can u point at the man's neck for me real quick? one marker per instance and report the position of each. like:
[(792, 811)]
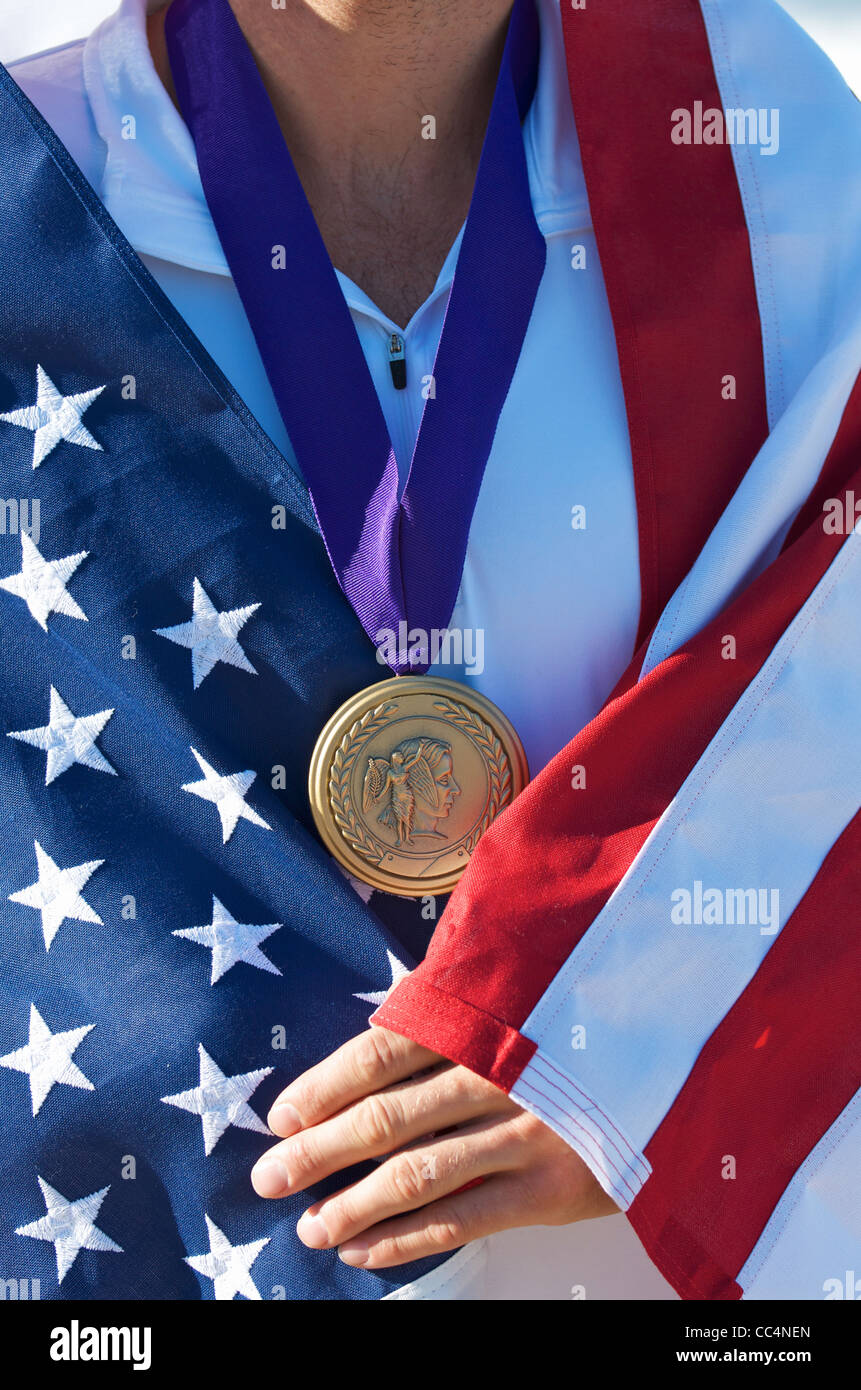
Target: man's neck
[(384, 107)]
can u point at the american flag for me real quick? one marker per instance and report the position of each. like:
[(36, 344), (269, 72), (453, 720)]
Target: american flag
[(655, 949), (175, 944)]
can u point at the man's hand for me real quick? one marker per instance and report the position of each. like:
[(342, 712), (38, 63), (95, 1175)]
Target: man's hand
[(459, 1159)]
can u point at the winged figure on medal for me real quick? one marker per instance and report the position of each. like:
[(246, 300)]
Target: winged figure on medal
[(415, 786)]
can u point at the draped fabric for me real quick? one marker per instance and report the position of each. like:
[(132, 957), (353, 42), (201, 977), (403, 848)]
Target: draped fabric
[(175, 944), (654, 949)]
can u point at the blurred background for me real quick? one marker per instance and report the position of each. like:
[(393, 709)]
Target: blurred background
[(26, 26)]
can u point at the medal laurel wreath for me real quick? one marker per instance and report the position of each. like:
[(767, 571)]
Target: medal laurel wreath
[(495, 757), (340, 773), (359, 735)]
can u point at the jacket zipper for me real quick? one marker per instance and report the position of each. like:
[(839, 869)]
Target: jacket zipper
[(397, 361)]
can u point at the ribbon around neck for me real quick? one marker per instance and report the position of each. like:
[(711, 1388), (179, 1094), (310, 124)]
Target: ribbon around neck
[(398, 557)]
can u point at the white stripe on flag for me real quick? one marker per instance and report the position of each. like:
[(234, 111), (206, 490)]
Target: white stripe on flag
[(462, 1278), (811, 1247), (637, 998), (797, 310)]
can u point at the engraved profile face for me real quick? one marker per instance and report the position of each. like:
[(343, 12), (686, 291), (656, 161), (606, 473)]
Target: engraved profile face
[(447, 789), (414, 788)]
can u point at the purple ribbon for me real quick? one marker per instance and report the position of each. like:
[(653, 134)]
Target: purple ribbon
[(398, 559)]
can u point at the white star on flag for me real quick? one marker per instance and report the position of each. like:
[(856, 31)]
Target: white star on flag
[(211, 635), (398, 969), (231, 941), (42, 583), (47, 1059), (56, 894), (228, 1266), (67, 739), (221, 1100), (54, 417), (69, 1226), (227, 794)]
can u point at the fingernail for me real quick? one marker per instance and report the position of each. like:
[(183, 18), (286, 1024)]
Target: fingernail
[(270, 1178), (311, 1230), (283, 1119), (354, 1252)]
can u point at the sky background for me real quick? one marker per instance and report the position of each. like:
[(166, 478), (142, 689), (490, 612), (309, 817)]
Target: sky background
[(26, 26)]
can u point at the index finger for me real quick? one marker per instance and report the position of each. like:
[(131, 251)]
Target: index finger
[(365, 1064)]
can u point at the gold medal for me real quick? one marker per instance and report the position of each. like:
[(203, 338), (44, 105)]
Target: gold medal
[(407, 776)]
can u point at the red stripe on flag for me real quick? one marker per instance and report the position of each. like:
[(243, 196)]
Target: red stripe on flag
[(430, 1017), (675, 252), (545, 869), (772, 1078)]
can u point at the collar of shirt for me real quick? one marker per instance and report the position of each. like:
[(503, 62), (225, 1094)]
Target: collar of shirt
[(151, 186)]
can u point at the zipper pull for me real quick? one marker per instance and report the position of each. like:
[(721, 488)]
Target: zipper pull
[(397, 362)]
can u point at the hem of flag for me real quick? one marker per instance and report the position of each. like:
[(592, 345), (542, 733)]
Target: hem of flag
[(457, 1030), (557, 1098)]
